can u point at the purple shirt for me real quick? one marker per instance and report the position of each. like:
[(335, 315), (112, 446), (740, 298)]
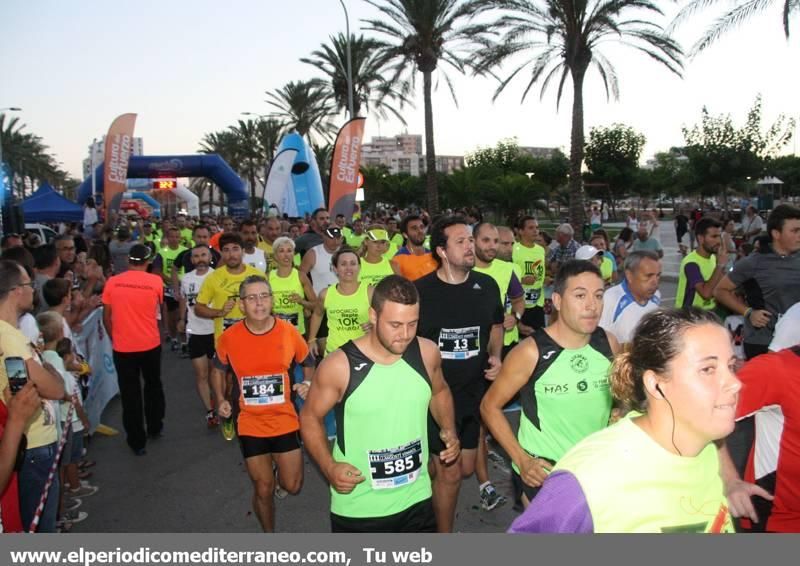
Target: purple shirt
[(559, 507)]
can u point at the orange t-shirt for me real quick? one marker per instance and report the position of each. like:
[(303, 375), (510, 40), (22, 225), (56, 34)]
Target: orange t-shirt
[(414, 266), (260, 363), (135, 299), (213, 241)]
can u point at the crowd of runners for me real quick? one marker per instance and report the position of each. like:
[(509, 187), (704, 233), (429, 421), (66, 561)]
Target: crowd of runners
[(391, 348)]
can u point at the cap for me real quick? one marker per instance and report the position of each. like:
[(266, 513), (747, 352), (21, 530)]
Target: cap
[(587, 252), (139, 253), (333, 232), (378, 234)]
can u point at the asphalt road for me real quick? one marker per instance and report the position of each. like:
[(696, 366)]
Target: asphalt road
[(193, 480)]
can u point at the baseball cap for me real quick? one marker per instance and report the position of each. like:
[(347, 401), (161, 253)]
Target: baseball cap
[(378, 234), (586, 252), (333, 232), (139, 253)]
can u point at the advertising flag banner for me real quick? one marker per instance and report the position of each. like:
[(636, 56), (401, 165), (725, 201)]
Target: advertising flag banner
[(103, 384), (344, 168), (119, 147)]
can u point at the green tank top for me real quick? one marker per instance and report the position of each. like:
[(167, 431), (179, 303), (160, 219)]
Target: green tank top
[(567, 397), (168, 257), (501, 272), (282, 306), (531, 261), (373, 273), (382, 429), (633, 485), (346, 314), (607, 269), (707, 267)]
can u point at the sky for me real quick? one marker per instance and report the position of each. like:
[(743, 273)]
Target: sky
[(192, 67)]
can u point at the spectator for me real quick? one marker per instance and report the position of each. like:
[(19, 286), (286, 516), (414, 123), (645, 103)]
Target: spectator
[(645, 242)]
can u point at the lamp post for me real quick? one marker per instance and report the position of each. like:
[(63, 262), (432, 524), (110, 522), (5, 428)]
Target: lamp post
[(349, 62)]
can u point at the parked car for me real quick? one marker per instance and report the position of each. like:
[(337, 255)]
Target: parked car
[(45, 233)]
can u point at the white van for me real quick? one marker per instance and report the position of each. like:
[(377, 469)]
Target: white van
[(45, 233)]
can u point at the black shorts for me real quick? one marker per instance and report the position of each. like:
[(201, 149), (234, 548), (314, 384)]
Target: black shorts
[(323, 326), (418, 518), (257, 445), (201, 345), (521, 487), (172, 303), (533, 317), (468, 429)]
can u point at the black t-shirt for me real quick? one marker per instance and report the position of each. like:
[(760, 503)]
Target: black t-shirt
[(459, 318)]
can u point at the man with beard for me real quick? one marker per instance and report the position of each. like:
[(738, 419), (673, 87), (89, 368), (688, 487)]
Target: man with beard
[(378, 474), (200, 331), (529, 257), (269, 230), (461, 312), (320, 220), (413, 260), (703, 269), (219, 294), (561, 375), (252, 255)]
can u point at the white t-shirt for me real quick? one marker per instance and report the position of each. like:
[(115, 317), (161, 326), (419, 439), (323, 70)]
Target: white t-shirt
[(70, 388), (27, 325), (190, 287), (256, 259), (621, 312), (787, 330)]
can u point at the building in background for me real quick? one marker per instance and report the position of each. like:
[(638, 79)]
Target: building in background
[(404, 154), (538, 152), (98, 149)]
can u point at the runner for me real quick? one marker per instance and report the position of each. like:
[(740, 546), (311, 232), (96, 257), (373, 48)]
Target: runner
[(657, 470), (346, 305), (530, 258), (218, 297), (512, 298), (561, 374), (293, 296), (703, 269), (374, 265), (269, 230), (461, 313), (378, 474), (163, 265), (199, 330), (263, 413), (413, 260), (317, 264), (253, 255)]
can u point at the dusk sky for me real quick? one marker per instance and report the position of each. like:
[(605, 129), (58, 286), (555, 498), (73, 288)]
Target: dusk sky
[(188, 68)]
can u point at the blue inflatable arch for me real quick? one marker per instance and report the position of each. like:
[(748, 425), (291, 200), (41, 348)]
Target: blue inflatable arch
[(152, 166)]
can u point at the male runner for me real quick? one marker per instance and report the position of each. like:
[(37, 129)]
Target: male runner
[(269, 230), (253, 255), (530, 257), (461, 313), (263, 412), (561, 374), (219, 294), (378, 474), (703, 269), (199, 330), (164, 265), (413, 260)]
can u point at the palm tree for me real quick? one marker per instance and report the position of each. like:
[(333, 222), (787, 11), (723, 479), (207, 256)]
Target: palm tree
[(248, 140), (371, 90), (742, 11), (421, 34), (562, 39), (27, 162), (305, 107)]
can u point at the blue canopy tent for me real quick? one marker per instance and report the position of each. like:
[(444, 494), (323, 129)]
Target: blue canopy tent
[(46, 205)]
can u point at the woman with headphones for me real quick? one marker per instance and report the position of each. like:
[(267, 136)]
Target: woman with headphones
[(657, 469)]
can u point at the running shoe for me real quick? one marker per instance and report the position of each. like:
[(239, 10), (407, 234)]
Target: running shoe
[(212, 420), (490, 498), (85, 490), (74, 517), (174, 346), (72, 504), (228, 430)]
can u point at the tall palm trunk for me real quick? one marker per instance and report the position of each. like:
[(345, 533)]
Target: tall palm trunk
[(432, 189), (577, 212)]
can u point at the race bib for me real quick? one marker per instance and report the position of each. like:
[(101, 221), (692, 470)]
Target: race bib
[(395, 467), (263, 389), (460, 343), (292, 318), (532, 297)]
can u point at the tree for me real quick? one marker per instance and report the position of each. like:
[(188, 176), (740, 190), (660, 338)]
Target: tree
[(722, 156), (501, 157), (26, 161), (421, 35), (304, 106), (371, 90), (787, 169), (740, 13), (562, 38), (612, 156)]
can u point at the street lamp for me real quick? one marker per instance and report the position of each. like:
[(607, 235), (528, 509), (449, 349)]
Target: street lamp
[(349, 63)]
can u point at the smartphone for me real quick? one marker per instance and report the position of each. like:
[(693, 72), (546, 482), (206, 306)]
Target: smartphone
[(17, 373)]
